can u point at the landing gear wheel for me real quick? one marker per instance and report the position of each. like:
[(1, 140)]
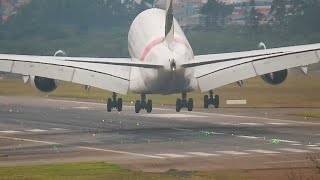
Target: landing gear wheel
[(178, 105), (211, 100), (109, 105), (137, 107), (217, 101), (120, 104), (190, 104), (149, 106), (206, 102)]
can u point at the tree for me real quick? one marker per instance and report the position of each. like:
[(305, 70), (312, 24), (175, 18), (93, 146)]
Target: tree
[(216, 12), (253, 17), (279, 12)]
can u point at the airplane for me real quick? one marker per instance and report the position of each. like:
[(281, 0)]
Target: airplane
[(162, 62)]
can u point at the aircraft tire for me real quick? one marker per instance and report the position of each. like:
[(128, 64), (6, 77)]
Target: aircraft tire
[(119, 104), (190, 104), (109, 105), (216, 101), (137, 106), (178, 105), (205, 102), (149, 106)]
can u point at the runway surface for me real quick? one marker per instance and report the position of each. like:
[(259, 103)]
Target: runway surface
[(43, 131)]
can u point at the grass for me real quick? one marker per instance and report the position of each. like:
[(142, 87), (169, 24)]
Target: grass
[(105, 171), (308, 114), (297, 91)]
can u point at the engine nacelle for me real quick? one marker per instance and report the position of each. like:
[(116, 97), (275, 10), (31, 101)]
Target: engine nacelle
[(275, 78), (45, 85)]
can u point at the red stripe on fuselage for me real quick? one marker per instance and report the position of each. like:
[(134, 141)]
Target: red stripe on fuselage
[(159, 41), (151, 46)]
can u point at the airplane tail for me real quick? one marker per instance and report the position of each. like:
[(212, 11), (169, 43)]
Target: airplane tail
[(169, 34)]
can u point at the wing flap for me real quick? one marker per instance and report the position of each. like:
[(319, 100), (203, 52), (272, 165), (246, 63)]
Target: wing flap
[(6, 65), (43, 70), (102, 81), (281, 62), (224, 77)]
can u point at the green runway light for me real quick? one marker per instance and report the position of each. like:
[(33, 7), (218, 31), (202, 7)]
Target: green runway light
[(55, 148), (275, 141)]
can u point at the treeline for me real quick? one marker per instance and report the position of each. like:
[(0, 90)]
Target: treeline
[(56, 18), (285, 15)]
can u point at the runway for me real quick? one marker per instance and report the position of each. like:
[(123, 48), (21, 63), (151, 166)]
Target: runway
[(36, 130)]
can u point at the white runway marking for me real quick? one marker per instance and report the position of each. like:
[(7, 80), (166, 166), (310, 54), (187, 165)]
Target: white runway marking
[(263, 151), (202, 154), (59, 129), (250, 137), (172, 116), (294, 150), (81, 108), (29, 140), (296, 144), (170, 155), (180, 129), (279, 124), (312, 145), (288, 141), (252, 124), (10, 132), (233, 152), (83, 147), (120, 152), (315, 148), (36, 130)]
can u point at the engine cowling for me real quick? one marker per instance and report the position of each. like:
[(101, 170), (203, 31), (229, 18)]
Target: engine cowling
[(275, 78), (45, 85)]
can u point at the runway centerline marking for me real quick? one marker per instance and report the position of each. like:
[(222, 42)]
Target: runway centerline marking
[(263, 151), (233, 152), (10, 132), (59, 129), (36, 130), (84, 147), (250, 137), (312, 145), (296, 144), (171, 155), (202, 154), (294, 150), (251, 124)]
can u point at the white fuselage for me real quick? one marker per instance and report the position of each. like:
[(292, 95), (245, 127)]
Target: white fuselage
[(147, 43)]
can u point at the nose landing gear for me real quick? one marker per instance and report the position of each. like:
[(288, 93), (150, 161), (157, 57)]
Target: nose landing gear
[(114, 103), (143, 104), (184, 103), (215, 101)]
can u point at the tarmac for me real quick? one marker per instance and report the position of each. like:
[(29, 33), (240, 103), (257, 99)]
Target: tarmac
[(36, 131)]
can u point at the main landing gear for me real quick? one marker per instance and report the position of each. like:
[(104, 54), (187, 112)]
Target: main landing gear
[(215, 101), (143, 104), (184, 103), (114, 103)]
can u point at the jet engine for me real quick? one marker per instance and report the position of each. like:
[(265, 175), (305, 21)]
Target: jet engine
[(275, 78), (45, 85)]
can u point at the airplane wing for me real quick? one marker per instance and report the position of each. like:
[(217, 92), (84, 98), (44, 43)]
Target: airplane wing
[(216, 70), (111, 74)]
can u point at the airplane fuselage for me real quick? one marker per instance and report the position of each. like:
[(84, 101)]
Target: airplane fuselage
[(146, 42)]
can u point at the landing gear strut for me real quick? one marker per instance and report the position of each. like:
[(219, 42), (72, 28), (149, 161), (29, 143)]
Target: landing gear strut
[(215, 101), (143, 104), (114, 103), (184, 103)]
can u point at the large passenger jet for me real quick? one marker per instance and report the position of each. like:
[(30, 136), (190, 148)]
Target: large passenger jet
[(162, 62)]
